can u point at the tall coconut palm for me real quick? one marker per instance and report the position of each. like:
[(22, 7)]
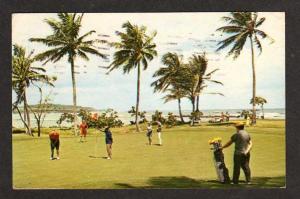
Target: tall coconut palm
[(135, 49), (242, 26), (66, 41), (23, 75), (259, 101)]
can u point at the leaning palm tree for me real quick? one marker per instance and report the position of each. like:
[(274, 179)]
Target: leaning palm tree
[(23, 75), (259, 101), (176, 93), (199, 77), (65, 41), (167, 75), (242, 26), (170, 79), (135, 49)]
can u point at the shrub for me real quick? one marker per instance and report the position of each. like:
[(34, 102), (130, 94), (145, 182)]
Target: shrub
[(109, 117), (141, 115), (171, 120), (157, 116)]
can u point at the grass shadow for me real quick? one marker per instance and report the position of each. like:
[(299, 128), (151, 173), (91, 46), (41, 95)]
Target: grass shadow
[(92, 156), (186, 182)]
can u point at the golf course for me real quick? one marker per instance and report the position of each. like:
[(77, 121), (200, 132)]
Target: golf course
[(183, 161)]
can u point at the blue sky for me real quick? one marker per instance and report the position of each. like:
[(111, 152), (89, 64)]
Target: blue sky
[(191, 32)]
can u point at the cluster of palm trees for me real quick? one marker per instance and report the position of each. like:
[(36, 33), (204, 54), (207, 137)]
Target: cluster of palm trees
[(135, 50), (183, 80)]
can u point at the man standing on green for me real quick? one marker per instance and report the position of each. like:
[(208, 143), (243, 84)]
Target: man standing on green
[(243, 145)]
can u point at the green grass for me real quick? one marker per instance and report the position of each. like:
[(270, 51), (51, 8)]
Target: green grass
[(184, 160)]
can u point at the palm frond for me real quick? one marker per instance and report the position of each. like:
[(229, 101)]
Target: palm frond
[(258, 44), (226, 42), (260, 21), (91, 51)]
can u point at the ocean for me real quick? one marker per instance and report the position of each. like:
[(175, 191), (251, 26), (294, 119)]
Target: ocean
[(51, 118)]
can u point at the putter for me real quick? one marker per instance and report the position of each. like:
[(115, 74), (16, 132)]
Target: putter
[(96, 144)]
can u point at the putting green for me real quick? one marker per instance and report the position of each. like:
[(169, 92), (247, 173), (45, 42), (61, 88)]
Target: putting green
[(184, 160)]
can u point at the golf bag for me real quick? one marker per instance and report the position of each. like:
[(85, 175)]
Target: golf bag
[(218, 156)]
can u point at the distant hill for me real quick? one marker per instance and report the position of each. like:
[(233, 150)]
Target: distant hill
[(60, 108)]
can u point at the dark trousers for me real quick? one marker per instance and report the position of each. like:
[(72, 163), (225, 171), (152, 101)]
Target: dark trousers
[(241, 161), (54, 144)]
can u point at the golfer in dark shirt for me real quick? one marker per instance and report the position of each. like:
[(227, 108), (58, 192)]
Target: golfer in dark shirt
[(243, 145), (108, 141)]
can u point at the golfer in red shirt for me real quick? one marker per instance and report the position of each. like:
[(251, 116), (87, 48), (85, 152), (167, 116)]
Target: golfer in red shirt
[(83, 130), (54, 143)]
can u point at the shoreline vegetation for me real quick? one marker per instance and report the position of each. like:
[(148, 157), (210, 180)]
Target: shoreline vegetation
[(57, 108)]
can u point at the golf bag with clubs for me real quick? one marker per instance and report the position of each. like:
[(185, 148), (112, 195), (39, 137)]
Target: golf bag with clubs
[(218, 157)]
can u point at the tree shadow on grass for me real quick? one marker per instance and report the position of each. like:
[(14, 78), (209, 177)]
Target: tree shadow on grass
[(186, 182)]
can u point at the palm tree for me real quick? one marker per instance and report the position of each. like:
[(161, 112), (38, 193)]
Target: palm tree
[(176, 93), (65, 41), (259, 101), (242, 26), (23, 75), (167, 75), (199, 77), (170, 79), (135, 49)]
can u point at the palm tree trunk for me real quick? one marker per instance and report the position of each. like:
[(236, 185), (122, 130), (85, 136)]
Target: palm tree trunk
[(263, 112), (193, 103), (74, 96), (253, 122), (39, 127), (137, 99), (27, 113), (24, 112), (197, 103), (179, 108)]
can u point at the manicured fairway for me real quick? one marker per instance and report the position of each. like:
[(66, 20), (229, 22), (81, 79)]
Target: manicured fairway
[(184, 160)]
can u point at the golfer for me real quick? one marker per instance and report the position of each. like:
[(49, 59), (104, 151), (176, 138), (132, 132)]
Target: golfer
[(83, 130), (108, 141), (54, 143), (149, 133), (243, 145), (159, 129)]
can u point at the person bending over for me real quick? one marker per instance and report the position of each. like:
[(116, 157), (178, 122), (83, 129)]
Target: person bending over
[(54, 144)]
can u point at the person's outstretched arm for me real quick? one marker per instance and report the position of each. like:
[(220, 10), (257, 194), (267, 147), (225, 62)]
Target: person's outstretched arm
[(227, 144)]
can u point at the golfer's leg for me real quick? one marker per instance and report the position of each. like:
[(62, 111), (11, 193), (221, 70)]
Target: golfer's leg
[(52, 149), (159, 138), (246, 168), (108, 150), (236, 168), (57, 149)]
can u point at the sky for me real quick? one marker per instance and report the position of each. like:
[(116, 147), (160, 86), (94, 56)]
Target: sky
[(188, 33)]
